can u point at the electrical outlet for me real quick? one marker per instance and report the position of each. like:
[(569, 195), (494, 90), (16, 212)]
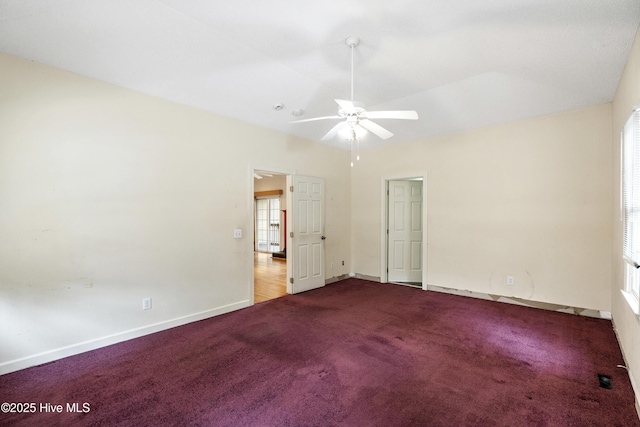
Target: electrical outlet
[(331, 265), (342, 262), (510, 280), (146, 303)]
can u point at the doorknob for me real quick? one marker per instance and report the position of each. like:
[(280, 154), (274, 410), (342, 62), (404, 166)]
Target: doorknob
[(323, 238)]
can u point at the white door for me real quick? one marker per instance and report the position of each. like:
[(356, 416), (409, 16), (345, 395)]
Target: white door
[(307, 234), (405, 231)]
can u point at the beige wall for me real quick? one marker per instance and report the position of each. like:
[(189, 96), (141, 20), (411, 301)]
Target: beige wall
[(626, 322), (530, 199), (109, 196)]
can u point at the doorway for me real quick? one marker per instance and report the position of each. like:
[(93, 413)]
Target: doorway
[(302, 214), (269, 234), (404, 253)]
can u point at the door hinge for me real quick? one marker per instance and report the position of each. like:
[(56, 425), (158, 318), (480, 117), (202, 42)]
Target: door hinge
[(291, 280), (291, 189), (291, 234)]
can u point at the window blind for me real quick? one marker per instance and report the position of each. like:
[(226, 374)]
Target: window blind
[(631, 189)]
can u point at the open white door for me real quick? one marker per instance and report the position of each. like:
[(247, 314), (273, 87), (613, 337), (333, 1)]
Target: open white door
[(307, 234), (405, 231)]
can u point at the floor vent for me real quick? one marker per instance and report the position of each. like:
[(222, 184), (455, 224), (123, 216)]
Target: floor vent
[(605, 381)]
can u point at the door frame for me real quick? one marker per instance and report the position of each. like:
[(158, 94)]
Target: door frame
[(384, 215), (265, 168)]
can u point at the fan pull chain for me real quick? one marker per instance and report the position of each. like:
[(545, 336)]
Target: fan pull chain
[(357, 151), (352, 153)]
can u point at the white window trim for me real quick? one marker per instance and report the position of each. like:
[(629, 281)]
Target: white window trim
[(629, 193), (632, 301)]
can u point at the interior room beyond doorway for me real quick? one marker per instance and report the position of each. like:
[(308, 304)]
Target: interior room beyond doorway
[(270, 261), (269, 277)]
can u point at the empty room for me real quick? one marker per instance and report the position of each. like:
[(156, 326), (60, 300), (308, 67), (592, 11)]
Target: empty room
[(455, 225)]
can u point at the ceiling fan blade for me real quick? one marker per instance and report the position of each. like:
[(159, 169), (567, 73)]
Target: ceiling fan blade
[(316, 118), (334, 130), (375, 128), (346, 106), (407, 115)]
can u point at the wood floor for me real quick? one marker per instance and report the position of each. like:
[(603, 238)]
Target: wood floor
[(270, 277)]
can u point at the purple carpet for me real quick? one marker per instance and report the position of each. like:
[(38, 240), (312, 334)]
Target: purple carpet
[(354, 353)]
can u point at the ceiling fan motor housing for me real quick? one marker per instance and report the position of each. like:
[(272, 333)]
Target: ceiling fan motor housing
[(352, 41)]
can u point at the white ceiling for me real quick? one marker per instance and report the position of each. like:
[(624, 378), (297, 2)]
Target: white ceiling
[(461, 64)]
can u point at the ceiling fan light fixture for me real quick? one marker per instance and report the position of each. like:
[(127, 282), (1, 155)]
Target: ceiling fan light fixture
[(352, 132), (347, 133)]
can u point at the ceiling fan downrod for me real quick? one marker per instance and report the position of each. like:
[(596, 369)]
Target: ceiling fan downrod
[(352, 42)]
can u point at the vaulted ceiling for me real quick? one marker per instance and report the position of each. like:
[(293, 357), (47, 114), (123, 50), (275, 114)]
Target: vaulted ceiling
[(461, 64)]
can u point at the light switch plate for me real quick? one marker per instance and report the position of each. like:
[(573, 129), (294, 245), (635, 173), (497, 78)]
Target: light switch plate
[(237, 233)]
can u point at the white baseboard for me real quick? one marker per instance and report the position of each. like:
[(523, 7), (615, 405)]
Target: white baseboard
[(365, 277), (634, 386), (600, 314), (335, 279), (636, 391), (81, 347), (509, 300)]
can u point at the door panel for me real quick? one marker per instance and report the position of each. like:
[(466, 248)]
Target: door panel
[(303, 255), (405, 231), (308, 229)]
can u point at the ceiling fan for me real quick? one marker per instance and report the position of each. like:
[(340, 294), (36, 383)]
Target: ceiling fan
[(357, 123)]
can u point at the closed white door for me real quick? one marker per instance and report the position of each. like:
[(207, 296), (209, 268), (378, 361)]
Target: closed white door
[(404, 261), (307, 234)]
